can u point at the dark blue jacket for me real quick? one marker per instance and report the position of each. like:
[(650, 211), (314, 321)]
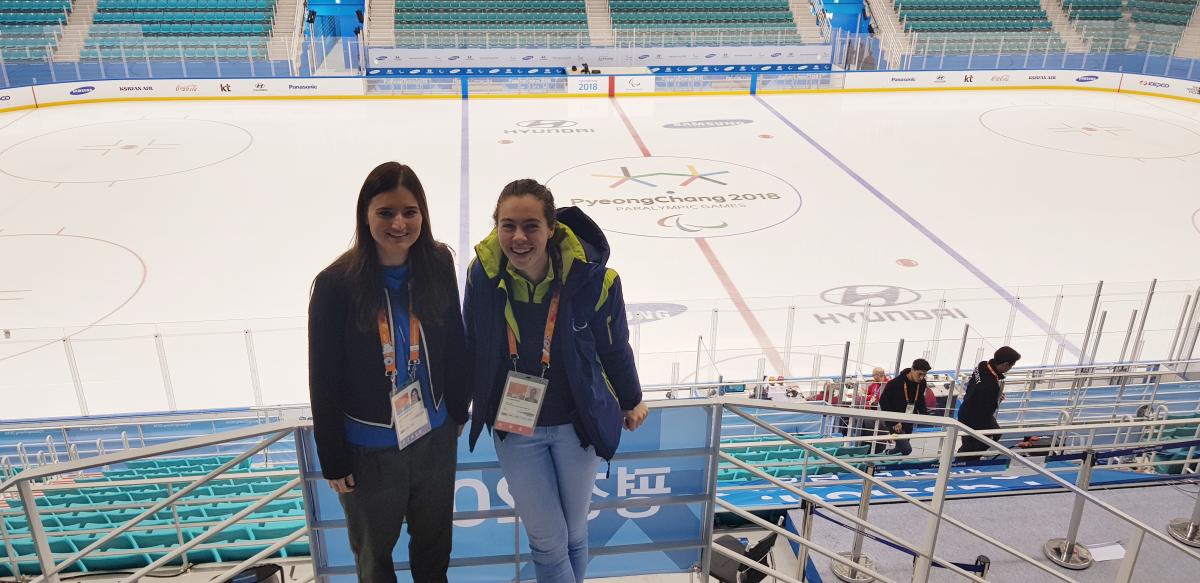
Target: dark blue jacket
[(598, 362)]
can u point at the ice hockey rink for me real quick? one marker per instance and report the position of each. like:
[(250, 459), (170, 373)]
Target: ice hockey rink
[(174, 244)]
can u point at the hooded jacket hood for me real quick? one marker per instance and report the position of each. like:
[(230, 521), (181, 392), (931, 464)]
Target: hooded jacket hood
[(581, 244)]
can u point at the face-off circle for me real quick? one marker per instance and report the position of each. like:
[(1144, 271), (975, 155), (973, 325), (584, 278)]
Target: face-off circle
[(124, 150), (66, 282), (1092, 131), (676, 197)]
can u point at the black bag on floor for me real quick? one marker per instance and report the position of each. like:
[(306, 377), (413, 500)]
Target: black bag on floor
[(260, 574)]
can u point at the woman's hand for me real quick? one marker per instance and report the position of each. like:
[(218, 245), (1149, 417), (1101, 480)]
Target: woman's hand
[(342, 485), (636, 416)]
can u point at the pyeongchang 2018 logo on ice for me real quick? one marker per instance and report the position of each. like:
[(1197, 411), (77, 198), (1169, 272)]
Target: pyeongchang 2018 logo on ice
[(674, 197)]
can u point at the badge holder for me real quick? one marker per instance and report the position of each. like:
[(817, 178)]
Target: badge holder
[(409, 415), (521, 403), (521, 399), (410, 418)]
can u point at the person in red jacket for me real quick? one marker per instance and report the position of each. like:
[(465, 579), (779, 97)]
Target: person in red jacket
[(878, 380)]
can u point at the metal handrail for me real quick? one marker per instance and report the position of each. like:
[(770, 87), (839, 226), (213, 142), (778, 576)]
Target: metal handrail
[(150, 451), (50, 571), (959, 427)]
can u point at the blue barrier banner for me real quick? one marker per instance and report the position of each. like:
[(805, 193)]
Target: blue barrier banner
[(1127, 451), (691, 69), (959, 486), (469, 71), (648, 511)]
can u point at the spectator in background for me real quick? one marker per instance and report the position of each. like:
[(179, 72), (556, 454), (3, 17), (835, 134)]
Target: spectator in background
[(906, 394), (983, 397), (878, 380)]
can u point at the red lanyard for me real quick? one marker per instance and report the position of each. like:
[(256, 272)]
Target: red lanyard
[(389, 347), (551, 320)]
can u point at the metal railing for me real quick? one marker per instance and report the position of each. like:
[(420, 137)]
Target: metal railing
[(50, 568), (924, 555), (256, 357), (754, 412)]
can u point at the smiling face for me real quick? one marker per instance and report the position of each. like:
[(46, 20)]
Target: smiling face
[(524, 234), (395, 221)]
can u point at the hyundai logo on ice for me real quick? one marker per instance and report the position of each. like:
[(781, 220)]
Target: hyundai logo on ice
[(876, 295)]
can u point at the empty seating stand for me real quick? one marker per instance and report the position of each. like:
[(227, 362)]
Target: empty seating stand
[(75, 517), (30, 29), (704, 21), (978, 26), (1143, 25), (174, 29), (491, 22)]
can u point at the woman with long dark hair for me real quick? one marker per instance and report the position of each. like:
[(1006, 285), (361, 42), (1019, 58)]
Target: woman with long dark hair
[(389, 390), (554, 376)]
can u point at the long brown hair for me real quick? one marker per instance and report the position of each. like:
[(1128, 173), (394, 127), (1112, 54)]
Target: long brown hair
[(431, 262)]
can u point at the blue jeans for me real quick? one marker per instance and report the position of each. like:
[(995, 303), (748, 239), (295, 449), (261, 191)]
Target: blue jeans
[(551, 478)]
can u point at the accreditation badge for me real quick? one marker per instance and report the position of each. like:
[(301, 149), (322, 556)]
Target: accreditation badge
[(409, 416), (520, 403), (909, 408)]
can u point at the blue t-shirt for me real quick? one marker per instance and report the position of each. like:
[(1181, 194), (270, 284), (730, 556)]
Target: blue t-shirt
[(395, 279)]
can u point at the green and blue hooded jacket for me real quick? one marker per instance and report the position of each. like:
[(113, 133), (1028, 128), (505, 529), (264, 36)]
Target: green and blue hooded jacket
[(596, 356)]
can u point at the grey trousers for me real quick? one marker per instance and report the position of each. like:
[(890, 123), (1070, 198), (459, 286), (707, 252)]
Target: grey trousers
[(392, 486)]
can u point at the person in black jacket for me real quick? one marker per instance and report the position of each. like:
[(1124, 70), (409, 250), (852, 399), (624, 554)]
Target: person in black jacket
[(385, 333), (983, 397), (554, 376), (906, 394)]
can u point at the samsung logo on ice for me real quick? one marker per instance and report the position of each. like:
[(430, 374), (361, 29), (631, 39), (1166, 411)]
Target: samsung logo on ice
[(453, 58), (776, 54), (83, 90), (643, 57), (707, 123), (710, 55), (1087, 78), (652, 312), (527, 58)]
